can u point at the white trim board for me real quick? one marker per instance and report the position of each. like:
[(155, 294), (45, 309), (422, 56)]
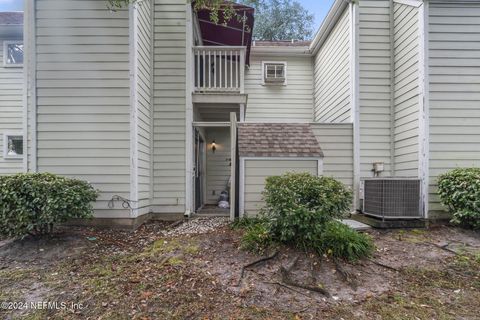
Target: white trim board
[(189, 85), (152, 102), (133, 25), (424, 108), (355, 96), (30, 83)]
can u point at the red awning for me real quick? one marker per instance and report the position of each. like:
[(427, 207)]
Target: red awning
[(229, 33)]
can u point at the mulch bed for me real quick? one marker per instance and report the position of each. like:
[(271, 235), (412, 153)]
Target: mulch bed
[(196, 273)]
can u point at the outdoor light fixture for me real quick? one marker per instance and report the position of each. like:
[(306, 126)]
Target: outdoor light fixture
[(214, 146)]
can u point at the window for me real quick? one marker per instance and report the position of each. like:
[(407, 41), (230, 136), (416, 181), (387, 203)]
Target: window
[(275, 73), (13, 53), (12, 146)]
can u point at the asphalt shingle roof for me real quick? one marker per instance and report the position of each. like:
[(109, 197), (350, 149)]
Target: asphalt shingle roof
[(277, 140), (11, 18)]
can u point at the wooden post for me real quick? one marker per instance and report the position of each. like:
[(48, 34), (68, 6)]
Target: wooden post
[(233, 155)]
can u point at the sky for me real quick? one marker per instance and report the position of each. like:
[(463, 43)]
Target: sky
[(11, 5), (318, 7)]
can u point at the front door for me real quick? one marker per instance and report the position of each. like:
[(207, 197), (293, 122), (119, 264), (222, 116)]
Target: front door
[(199, 169)]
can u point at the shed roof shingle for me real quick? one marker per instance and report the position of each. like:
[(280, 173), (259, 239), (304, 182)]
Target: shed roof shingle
[(277, 140), (11, 18)]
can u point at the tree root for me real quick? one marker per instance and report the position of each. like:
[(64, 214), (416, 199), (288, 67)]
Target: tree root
[(346, 276), (283, 285), (286, 279), (444, 247), (384, 265), (251, 264)]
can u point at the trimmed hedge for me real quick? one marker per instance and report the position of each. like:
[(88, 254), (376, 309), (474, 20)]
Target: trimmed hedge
[(459, 191), (300, 204), (32, 203), (301, 210)]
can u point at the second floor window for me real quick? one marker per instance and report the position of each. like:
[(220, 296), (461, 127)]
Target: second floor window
[(274, 73), (13, 146), (13, 53)]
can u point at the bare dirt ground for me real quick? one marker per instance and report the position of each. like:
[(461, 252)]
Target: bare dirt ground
[(86, 273)]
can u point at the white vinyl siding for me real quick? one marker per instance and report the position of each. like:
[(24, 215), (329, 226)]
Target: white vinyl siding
[(218, 162), (11, 110), (256, 171), (143, 96), (406, 86), (375, 91), (292, 102), (332, 90), (83, 96), (454, 63), (336, 142), (169, 105)]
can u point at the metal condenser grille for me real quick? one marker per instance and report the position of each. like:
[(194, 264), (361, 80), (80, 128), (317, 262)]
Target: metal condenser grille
[(392, 198)]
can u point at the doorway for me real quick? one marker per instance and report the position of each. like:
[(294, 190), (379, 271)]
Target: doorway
[(199, 169)]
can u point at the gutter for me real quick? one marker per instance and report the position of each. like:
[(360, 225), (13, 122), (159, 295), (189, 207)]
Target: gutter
[(280, 51), (330, 21)]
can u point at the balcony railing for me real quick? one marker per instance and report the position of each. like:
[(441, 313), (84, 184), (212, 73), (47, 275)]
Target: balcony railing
[(219, 69)]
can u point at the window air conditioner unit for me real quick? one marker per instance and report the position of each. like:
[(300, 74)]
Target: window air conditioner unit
[(392, 198)]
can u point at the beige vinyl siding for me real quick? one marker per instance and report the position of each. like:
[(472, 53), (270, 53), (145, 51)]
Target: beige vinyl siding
[(256, 171), (280, 103), (169, 105), (218, 163), (144, 102), (336, 141), (454, 63), (375, 91), (332, 90), (406, 86), (83, 96), (11, 109)]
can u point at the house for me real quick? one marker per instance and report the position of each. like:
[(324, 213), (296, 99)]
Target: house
[(162, 110), (11, 92)]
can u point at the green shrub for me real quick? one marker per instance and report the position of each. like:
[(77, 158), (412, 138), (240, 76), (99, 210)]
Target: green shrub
[(341, 241), (32, 203), (300, 204), (459, 191), (257, 238), (246, 222)]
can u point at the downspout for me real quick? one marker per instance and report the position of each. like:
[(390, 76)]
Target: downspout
[(392, 89)]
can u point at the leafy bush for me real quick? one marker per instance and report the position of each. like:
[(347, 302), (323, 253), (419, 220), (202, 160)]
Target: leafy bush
[(459, 191), (300, 204), (32, 203), (246, 222), (257, 238), (341, 241)]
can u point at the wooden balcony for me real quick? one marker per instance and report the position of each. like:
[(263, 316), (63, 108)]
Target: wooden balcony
[(219, 69)]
